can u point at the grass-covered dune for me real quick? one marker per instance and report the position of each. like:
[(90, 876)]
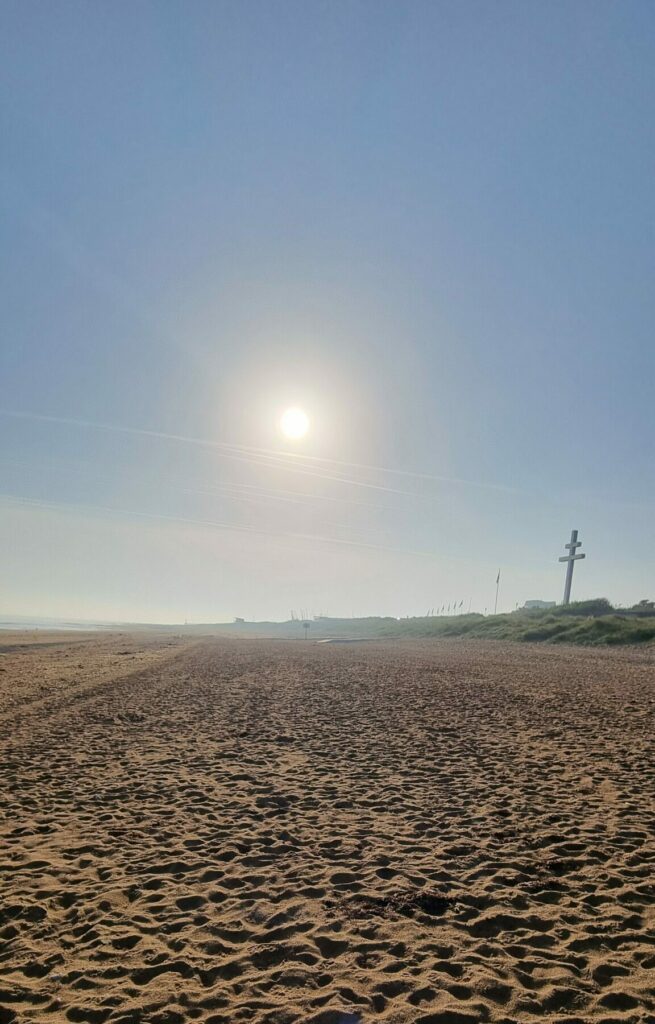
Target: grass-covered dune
[(582, 622)]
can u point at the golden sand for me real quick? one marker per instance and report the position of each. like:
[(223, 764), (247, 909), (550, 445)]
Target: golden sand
[(237, 831)]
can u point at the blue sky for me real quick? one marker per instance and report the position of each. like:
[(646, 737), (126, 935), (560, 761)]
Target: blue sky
[(431, 225)]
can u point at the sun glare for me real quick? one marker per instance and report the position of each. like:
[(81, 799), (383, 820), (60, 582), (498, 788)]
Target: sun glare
[(294, 424)]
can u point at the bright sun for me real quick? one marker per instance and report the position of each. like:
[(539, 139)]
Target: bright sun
[(294, 424)]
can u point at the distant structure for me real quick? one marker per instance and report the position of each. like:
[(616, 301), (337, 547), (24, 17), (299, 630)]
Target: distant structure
[(237, 619), (570, 559), (529, 605)]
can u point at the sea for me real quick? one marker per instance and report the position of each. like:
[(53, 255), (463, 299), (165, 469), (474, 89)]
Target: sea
[(20, 623)]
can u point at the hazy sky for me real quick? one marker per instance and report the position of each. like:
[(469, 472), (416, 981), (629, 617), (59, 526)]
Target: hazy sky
[(430, 225)]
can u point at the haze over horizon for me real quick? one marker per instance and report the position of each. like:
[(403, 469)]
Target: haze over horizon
[(427, 226)]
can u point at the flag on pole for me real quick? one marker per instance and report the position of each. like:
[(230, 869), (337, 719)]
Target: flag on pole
[(498, 578)]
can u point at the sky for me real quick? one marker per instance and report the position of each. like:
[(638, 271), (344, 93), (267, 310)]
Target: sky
[(430, 225)]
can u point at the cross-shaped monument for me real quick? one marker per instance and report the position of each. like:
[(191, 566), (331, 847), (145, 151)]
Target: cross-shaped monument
[(570, 559)]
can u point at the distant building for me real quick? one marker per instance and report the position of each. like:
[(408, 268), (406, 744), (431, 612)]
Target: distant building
[(239, 620), (530, 605)]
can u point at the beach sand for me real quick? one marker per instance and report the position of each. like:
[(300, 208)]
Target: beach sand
[(235, 831)]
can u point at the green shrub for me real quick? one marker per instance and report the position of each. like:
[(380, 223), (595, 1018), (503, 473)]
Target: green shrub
[(596, 606)]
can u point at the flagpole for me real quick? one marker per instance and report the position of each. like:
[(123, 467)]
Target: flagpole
[(497, 586)]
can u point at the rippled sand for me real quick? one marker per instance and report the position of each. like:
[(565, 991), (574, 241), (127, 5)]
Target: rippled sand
[(433, 832)]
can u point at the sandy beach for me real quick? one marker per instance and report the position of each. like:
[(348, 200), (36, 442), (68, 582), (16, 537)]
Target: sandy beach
[(236, 831)]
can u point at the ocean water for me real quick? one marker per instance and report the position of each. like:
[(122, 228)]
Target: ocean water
[(58, 624)]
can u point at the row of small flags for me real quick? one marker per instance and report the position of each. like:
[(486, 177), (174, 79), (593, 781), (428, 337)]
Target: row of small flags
[(446, 609), (454, 608)]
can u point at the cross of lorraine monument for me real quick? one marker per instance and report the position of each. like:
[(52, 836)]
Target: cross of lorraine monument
[(570, 559)]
